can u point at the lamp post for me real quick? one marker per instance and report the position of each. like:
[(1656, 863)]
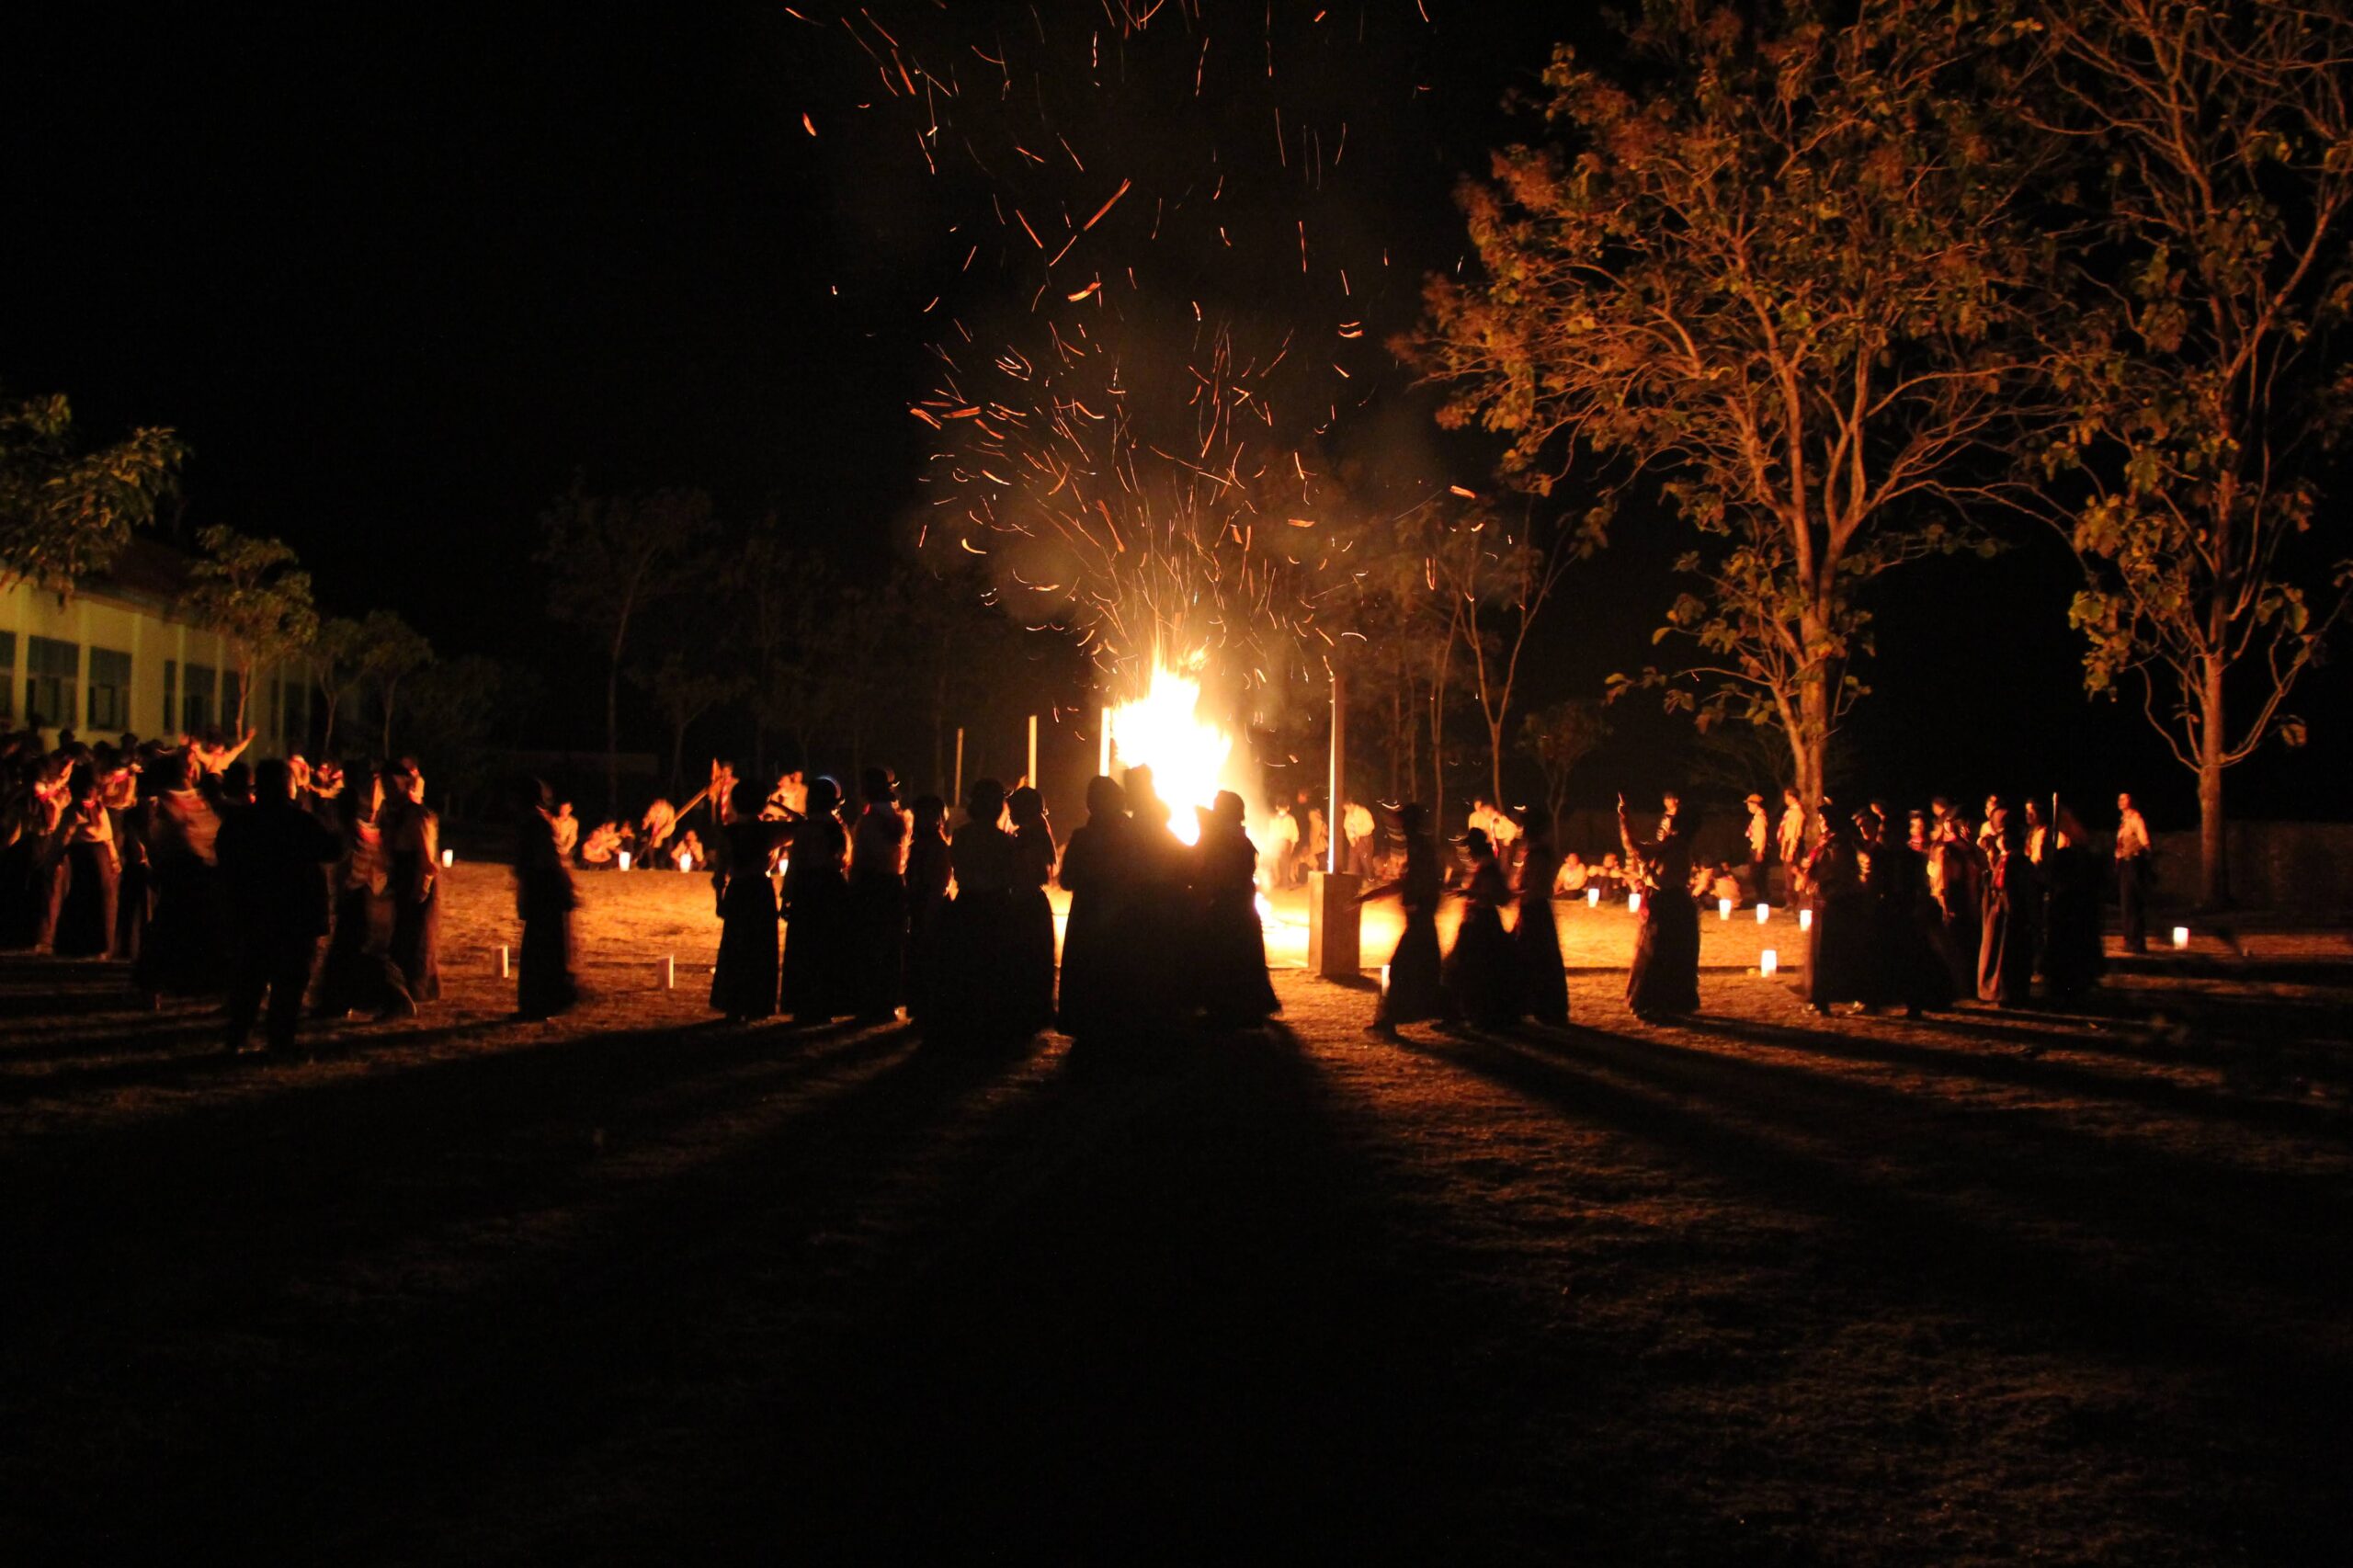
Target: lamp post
[(1334, 926)]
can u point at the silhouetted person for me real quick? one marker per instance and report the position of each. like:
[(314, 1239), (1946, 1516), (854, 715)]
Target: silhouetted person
[(743, 982), (273, 857), (1417, 988), (1099, 874), (1230, 946), (413, 843), (1664, 978), (1840, 955), (85, 913), (2006, 953), (544, 899), (2072, 961), (1030, 972), (976, 1003), (877, 897), (180, 951), (359, 974), (1481, 973), (1536, 938), (927, 877), (814, 987)]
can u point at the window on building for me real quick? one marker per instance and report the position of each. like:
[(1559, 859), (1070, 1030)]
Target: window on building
[(109, 689), (170, 726), (201, 684), (7, 676), (53, 671)]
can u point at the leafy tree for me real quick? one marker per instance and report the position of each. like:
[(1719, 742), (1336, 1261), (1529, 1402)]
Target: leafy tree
[(253, 594), (455, 708), (684, 692), (66, 512), (1503, 579), (390, 650), (337, 653), (2210, 370), (1559, 737), (1772, 260), (609, 558)]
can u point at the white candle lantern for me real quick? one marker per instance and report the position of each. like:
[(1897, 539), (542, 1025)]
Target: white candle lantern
[(1723, 909), (1593, 898), (1768, 963), (448, 859), (2181, 935), (1633, 903), (1806, 919), (623, 857), (1764, 913), (686, 860)]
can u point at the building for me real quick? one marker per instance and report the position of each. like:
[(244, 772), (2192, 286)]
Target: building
[(118, 657)]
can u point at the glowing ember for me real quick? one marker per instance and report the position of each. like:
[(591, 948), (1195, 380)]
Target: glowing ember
[(1188, 755)]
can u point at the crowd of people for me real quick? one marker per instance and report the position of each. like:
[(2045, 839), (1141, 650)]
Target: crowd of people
[(216, 878), (883, 908), (281, 886)]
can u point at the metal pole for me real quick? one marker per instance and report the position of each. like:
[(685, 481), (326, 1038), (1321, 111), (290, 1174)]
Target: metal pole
[(1032, 775), (956, 793), (1106, 769), (1334, 833)]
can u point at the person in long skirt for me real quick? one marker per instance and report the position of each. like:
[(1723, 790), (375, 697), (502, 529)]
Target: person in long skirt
[(2073, 960), (977, 1003), (1664, 978), (743, 984), (2005, 952), (1230, 946), (1536, 938), (85, 921), (878, 896), (414, 839), (1959, 886), (814, 986), (1032, 975), (1159, 923), (1840, 953), (358, 974), (544, 899), (180, 952), (1416, 987), (1481, 973), (1098, 872), (927, 878), (1908, 923)]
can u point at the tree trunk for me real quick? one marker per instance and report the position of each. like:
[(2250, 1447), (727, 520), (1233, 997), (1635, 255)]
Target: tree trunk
[(391, 687), (1809, 749), (2213, 843), (613, 736), (327, 741)]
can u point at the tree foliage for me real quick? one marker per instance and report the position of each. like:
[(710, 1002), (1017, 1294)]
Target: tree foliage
[(1558, 738), (1770, 262), (67, 510), (608, 557), (2207, 370), (254, 593)]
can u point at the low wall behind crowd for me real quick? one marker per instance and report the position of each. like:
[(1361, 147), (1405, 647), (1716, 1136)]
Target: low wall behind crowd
[(2274, 865)]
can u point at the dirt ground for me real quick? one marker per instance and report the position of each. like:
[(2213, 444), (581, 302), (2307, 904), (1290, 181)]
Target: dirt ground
[(636, 1285)]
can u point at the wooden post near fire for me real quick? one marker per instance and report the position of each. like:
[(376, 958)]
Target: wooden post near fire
[(1031, 775), (1335, 923), (956, 790), (1106, 743)]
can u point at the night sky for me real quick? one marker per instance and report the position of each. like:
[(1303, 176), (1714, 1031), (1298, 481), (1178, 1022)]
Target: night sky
[(398, 275)]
